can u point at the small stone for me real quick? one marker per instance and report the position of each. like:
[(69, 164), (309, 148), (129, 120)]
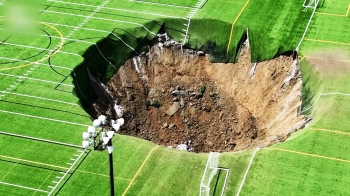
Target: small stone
[(173, 109), (171, 125), (182, 103)]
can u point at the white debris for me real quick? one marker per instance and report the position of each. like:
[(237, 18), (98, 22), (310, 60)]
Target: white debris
[(252, 71), (160, 45), (182, 147), (119, 110), (136, 64)]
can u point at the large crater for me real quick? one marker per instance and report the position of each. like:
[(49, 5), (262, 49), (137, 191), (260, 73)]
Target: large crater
[(173, 97)]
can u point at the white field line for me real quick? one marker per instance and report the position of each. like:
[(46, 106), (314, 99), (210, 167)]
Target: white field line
[(98, 18), (80, 41), (189, 19), (43, 118), (325, 94), (36, 97), (65, 174), (246, 172), (35, 79), (39, 139), (84, 28), (25, 61), (117, 9), (125, 43), (38, 48), (33, 162), (57, 37), (24, 187), (92, 43), (307, 26), (162, 4), (87, 18)]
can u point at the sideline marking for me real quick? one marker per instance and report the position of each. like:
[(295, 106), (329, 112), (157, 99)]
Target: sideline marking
[(330, 14), (327, 41), (311, 155), (138, 171), (32, 63), (327, 130), (246, 172), (234, 22)]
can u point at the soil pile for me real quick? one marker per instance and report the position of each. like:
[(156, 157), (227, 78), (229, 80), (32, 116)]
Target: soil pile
[(173, 97)]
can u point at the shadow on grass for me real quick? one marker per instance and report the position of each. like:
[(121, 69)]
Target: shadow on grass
[(307, 96)]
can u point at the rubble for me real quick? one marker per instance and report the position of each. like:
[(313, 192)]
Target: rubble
[(212, 107)]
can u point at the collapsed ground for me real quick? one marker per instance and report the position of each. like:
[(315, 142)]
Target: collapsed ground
[(173, 96)]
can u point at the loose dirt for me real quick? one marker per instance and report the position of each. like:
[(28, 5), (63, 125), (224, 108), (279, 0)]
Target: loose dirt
[(174, 98)]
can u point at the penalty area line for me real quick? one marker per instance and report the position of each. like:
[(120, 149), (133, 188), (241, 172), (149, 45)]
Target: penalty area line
[(138, 171), (340, 15)]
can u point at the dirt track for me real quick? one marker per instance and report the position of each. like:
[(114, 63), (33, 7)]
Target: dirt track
[(235, 111)]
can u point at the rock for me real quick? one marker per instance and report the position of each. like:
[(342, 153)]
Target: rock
[(200, 53), (182, 103), (182, 147), (179, 92), (176, 99), (165, 125), (172, 125), (173, 109)]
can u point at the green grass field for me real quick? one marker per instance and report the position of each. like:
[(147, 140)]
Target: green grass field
[(313, 161)]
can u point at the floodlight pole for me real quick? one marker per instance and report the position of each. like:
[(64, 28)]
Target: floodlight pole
[(111, 173)]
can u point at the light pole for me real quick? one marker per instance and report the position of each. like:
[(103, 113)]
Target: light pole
[(104, 142)]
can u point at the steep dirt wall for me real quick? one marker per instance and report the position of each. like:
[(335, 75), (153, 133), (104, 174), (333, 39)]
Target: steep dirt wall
[(172, 98)]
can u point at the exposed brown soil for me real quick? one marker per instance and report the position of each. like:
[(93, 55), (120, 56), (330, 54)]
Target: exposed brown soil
[(235, 112)]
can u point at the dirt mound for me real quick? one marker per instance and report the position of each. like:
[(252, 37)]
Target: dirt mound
[(174, 98)]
